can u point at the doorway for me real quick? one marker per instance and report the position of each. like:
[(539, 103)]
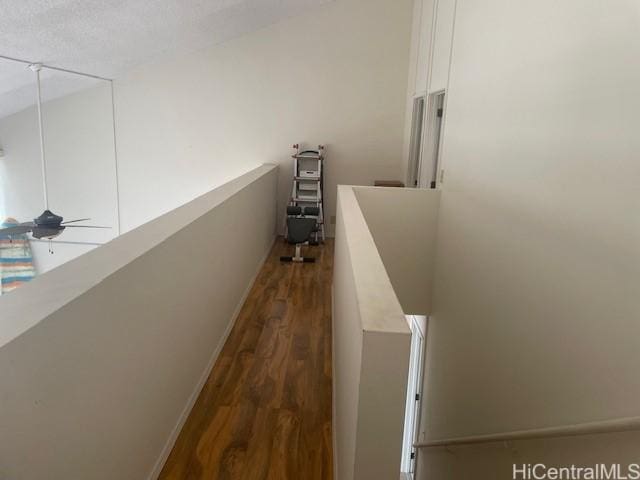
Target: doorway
[(415, 144), (418, 326), (433, 144)]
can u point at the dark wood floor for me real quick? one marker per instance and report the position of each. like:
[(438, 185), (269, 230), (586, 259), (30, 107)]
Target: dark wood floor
[(265, 411)]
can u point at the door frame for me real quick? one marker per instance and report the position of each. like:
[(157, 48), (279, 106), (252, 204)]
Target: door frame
[(418, 117), (413, 407), (433, 138)]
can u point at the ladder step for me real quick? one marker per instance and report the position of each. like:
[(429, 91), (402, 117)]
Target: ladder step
[(307, 191)]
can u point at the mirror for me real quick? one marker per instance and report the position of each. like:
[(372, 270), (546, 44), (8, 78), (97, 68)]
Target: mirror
[(79, 148)]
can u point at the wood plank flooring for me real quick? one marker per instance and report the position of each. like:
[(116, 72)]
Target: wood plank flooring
[(265, 411)]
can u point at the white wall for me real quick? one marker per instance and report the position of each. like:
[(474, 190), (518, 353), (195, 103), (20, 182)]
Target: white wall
[(94, 388), (3, 214), (420, 53), (81, 175), (371, 347), (536, 295), (421, 43), (431, 36), (81, 164), (336, 75), (63, 252), (403, 225), (19, 168), (442, 38), (431, 40)]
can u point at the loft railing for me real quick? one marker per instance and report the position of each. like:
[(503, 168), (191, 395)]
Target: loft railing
[(591, 428)]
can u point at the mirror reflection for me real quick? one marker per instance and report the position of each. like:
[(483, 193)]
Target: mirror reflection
[(58, 179)]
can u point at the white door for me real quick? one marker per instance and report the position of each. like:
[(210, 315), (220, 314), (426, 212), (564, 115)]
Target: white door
[(414, 392)]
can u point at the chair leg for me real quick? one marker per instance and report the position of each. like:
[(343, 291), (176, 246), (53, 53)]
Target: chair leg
[(298, 255), (298, 258)]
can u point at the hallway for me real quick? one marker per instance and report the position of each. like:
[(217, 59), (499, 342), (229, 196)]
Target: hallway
[(265, 411)]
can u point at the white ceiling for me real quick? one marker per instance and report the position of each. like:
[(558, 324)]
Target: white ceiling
[(109, 37)]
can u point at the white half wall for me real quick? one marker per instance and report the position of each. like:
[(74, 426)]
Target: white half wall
[(335, 75), (102, 358), (403, 225), (371, 347)]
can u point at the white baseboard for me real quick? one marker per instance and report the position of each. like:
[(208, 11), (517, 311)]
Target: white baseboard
[(166, 451), (334, 439)]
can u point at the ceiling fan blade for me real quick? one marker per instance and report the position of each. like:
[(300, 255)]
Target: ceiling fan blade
[(74, 221), (83, 226), (17, 230)]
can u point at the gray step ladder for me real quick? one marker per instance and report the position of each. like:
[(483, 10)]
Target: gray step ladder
[(308, 184)]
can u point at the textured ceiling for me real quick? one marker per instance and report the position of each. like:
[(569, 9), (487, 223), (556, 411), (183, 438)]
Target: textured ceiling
[(109, 37)]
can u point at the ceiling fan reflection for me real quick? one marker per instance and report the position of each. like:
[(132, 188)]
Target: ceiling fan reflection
[(48, 225)]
